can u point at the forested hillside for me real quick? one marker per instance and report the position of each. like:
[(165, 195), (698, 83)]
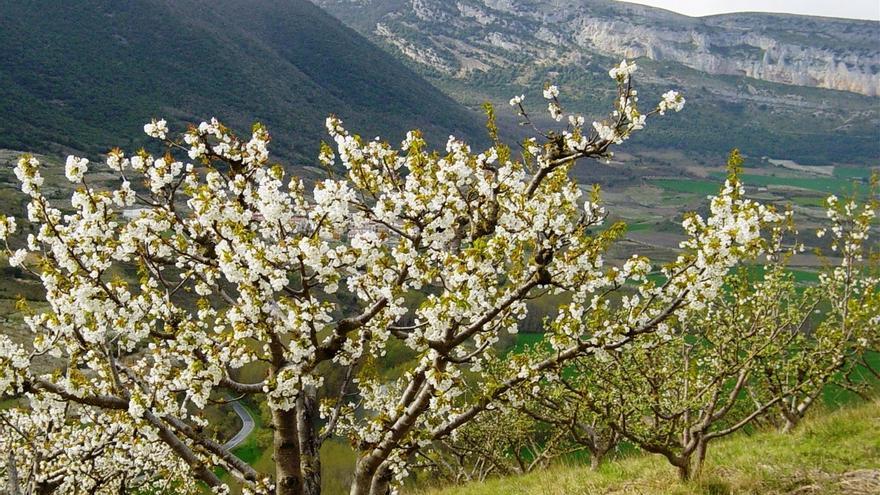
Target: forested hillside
[(86, 75)]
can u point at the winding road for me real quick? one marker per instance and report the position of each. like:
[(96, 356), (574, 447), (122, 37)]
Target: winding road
[(247, 426)]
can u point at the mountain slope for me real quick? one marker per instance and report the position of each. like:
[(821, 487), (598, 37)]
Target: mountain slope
[(749, 78), (86, 75), (808, 51)]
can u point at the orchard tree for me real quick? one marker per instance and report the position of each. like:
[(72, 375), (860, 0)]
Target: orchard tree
[(500, 442), (764, 344), (238, 266), (845, 326), (579, 424), (534, 427), (676, 391)]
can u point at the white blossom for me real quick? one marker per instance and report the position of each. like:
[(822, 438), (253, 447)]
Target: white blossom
[(156, 128), (672, 100), (7, 227), (623, 71), (228, 263), (75, 168)]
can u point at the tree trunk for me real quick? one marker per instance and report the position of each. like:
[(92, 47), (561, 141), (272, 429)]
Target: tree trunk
[(684, 470), (682, 465), (371, 462), (370, 481), (595, 460), (790, 419), (790, 424), (363, 477), (381, 484), (699, 458), (309, 446), (288, 467)]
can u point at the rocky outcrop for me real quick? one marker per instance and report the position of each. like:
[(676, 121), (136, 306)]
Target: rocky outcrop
[(806, 51), (753, 53)]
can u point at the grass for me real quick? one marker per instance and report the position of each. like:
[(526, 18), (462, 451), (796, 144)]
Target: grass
[(843, 184), (524, 340), (826, 454), (641, 226), (824, 185), (756, 272), (835, 396), (693, 186), (853, 172), (801, 277)]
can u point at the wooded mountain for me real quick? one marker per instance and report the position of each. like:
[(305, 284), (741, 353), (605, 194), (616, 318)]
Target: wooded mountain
[(785, 86), (87, 75)]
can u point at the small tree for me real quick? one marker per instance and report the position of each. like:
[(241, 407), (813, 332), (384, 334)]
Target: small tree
[(573, 416), (680, 389), (764, 344), (499, 443), (237, 266), (846, 303), (533, 428)]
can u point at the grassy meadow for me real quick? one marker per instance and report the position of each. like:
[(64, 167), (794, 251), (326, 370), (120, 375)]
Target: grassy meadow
[(833, 453)]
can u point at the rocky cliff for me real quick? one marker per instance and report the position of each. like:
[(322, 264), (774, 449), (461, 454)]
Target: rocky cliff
[(459, 36)]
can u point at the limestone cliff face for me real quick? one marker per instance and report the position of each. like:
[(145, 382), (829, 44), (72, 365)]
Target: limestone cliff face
[(458, 36), (755, 51)]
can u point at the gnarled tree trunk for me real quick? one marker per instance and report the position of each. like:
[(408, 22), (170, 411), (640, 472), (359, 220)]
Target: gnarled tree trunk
[(309, 445), (381, 484)]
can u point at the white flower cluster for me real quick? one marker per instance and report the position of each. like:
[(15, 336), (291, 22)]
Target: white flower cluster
[(623, 72), (623, 121), (850, 227), (14, 362), (28, 174), (7, 227), (605, 132), (49, 443), (156, 129), (552, 93), (75, 169), (672, 100)]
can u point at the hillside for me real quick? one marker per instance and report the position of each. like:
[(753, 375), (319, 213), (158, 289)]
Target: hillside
[(784, 86), (86, 75), (835, 454)]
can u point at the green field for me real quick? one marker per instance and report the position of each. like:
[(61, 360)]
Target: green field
[(853, 172), (640, 226), (694, 186), (839, 186), (525, 340), (829, 185), (814, 201)]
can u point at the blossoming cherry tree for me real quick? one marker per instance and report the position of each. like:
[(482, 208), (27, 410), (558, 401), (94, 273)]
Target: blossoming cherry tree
[(229, 263)]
